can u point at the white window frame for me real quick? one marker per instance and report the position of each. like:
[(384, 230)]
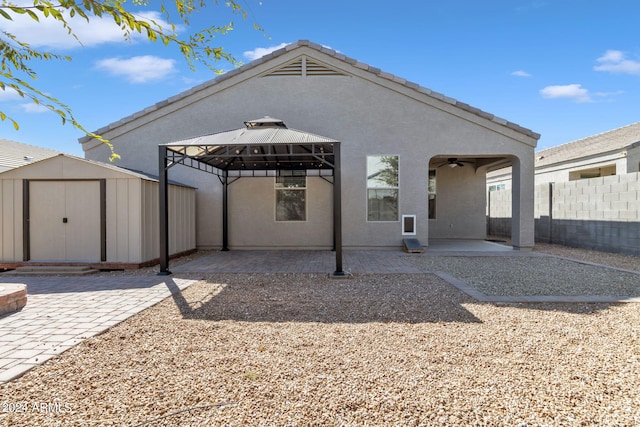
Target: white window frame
[(404, 231), (396, 188), (434, 193)]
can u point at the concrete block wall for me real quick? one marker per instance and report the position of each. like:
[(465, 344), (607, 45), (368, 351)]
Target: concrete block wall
[(499, 213), (599, 213), (541, 214), (609, 198)]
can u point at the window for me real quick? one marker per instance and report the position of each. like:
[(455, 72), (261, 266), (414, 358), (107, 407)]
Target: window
[(291, 195), (592, 172), (382, 188), (432, 193)]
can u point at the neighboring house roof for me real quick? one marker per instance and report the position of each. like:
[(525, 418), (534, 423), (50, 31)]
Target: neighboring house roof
[(613, 140), (320, 70), (15, 154)]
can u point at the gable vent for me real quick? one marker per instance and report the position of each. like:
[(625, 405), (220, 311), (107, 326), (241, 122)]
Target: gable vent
[(304, 67)]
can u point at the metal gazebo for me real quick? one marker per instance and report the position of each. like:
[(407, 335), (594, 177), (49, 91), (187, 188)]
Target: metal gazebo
[(263, 147)]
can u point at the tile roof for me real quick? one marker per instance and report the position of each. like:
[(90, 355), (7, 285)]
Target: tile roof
[(613, 140), (15, 154), (329, 52)]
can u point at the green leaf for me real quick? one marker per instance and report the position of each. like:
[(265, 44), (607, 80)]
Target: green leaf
[(33, 15), (18, 56), (5, 15), (18, 10)]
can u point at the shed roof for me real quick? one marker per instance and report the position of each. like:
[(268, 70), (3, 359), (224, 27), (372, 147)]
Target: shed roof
[(606, 142), (15, 154), (90, 163), (326, 51)]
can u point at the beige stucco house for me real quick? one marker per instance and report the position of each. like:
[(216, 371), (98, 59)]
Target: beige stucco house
[(413, 162), (68, 210)]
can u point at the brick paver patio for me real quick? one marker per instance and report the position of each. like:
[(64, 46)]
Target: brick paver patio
[(63, 311)]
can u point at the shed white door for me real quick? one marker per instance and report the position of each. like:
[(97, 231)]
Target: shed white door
[(64, 220)]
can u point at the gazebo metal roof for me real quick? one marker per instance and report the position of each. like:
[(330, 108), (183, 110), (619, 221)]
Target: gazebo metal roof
[(264, 144)]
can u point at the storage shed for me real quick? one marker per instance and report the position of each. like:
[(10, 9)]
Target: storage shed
[(68, 210)]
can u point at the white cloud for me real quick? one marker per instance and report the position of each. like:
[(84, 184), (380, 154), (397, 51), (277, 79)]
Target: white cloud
[(259, 52), (615, 61), (49, 33), (521, 73), (138, 69), (573, 92), (32, 108), (608, 94), (611, 56), (9, 94)]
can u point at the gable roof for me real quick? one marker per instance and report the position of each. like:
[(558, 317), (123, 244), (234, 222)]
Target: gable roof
[(318, 69), (613, 140), (15, 154)]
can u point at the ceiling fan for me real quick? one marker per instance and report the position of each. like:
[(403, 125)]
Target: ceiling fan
[(453, 162)]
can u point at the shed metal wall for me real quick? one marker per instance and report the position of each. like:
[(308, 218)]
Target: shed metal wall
[(11, 220), (182, 219)]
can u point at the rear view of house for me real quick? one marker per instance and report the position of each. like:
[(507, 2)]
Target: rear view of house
[(413, 162)]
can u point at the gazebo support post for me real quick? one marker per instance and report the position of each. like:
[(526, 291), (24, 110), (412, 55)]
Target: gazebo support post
[(337, 210), (225, 210), (164, 211)]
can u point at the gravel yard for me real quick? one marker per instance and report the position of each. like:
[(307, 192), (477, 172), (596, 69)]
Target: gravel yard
[(527, 276), (304, 349)]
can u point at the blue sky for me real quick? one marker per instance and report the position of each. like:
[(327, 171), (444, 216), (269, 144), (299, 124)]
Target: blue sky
[(565, 69)]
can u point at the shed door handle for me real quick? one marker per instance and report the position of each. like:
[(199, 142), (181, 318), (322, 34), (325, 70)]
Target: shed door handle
[(65, 220)]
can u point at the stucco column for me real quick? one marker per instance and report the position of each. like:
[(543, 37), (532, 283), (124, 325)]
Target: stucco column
[(522, 208)]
